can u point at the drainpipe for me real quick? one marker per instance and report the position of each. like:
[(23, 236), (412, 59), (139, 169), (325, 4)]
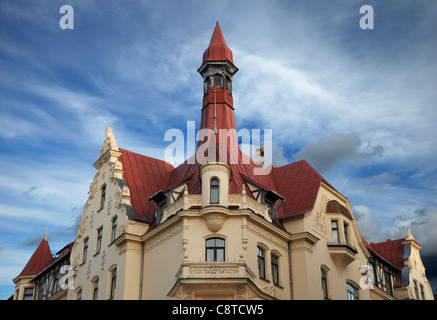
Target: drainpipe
[(140, 296), (290, 271)]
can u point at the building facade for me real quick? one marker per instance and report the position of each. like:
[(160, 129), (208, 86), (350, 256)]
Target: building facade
[(220, 225)]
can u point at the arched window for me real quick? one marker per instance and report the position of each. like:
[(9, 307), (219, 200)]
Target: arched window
[(324, 278), (215, 249), (275, 268), (113, 284), (95, 288), (352, 291), (261, 262), (214, 191)]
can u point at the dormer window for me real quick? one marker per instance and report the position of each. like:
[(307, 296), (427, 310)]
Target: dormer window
[(214, 191)]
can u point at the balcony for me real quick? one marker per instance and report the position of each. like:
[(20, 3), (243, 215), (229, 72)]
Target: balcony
[(214, 270), (342, 252)]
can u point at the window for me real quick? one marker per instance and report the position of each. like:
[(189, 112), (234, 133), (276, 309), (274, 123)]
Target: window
[(346, 232), (103, 196), (79, 294), (272, 209), (422, 292), (113, 283), (85, 249), (206, 85), (214, 191), (95, 289), (215, 249), (352, 292), (217, 81), (416, 292), (261, 262), (99, 239), (28, 294), (114, 229), (334, 227), (324, 283), (275, 268)]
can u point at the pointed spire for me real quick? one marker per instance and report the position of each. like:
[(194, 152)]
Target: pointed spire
[(110, 143), (41, 258), (217, 50), (409, 236)]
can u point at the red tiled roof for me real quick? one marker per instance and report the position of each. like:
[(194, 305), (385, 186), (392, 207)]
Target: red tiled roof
[(144, 176), (41, 258), (391, 250), (334, 206), (299, 183), (217, 49)]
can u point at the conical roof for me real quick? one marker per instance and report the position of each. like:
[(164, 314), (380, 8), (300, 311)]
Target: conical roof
[(217, 49), (41, 258)]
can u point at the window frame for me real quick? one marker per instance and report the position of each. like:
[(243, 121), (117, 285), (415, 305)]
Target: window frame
[(216, 189), (113, 283), (114, 223), (99, 239), (85, 249), (324, 282), (95, 288), (352, 291), (274, 262), (261, 261), (102, 196), (335, 231), (215, 249)]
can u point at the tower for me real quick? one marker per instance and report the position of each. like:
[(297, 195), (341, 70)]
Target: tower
[(217, 120)]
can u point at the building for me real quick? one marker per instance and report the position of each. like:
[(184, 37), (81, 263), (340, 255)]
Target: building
[(220, 225)]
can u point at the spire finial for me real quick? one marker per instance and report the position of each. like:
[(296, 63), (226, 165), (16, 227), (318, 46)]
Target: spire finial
[(409, 236), (45, 235), (110, 143)]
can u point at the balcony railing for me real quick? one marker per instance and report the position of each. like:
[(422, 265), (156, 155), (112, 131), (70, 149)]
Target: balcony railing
[(214, 270)]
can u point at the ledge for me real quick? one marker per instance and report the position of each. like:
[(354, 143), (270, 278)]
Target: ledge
[(342, 253)]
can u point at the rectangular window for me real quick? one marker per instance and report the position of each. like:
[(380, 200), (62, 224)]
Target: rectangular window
[(416, 292), (346, 232), (261, 262), (114, 229), (28, 294), (334, 227), (352, 292), (96, 289), (99, 239), (275, 269), (215, 249), (103, 196), (214, 191), (85, 249), (113, 282), (324, 283)]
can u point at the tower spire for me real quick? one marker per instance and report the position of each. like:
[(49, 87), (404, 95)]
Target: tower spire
[(217, 71)]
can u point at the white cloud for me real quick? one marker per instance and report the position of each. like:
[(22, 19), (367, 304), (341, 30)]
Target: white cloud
[(326, 154)]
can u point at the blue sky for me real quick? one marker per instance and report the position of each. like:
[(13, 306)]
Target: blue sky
[(359, 105)]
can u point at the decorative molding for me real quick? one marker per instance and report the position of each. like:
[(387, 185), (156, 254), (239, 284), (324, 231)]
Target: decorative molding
[(109, 143), (162, 236), (320, 220), (271, 290), (303, 241), (267, 235), (258, 208), (215, 166), (214, 220), (214, 270)]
